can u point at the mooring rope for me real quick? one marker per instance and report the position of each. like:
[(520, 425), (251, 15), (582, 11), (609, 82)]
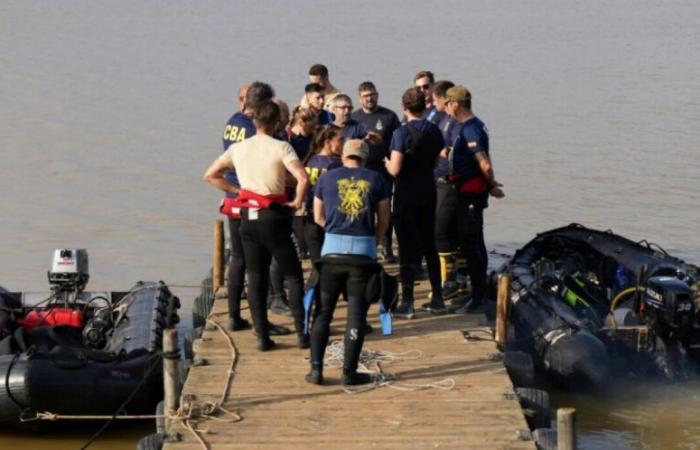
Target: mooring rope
[(371, 362)]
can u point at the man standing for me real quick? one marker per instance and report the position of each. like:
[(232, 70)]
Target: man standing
[(382, 121), (414, 150), (239, 128), (424, 82), (474, 180), (318, 73), (313, 100), (352, 129)]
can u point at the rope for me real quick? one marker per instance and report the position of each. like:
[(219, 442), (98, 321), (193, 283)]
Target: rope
[(371, 362)]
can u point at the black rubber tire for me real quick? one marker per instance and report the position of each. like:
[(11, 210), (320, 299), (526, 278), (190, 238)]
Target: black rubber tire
[(190, 336), (151, 442), (520, 367), (199, 312), (545, 438), (536, 407), (160, 421)]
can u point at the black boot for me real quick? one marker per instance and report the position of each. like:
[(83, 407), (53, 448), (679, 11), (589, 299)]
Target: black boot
[(315, 376), (277, 303), (354, 378), (405, 308), (238, 324), (436, 305), (265, 344), (303, 341)]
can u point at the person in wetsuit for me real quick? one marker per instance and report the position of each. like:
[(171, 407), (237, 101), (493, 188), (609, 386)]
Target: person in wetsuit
[(474, 180), (262, 163), (325, 156), (414, 151), (239, 127), (352, 204)]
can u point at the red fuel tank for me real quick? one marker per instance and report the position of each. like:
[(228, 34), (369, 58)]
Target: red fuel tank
[(52, 317)]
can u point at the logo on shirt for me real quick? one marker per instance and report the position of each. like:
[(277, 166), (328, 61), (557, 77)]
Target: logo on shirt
[(352, 197), (379, 125)]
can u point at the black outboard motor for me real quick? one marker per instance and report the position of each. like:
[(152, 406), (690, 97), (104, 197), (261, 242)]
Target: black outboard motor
[(668, 306)]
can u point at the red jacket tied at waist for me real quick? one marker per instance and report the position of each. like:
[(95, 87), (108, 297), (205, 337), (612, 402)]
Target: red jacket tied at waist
[(249, 199), (474, 185)]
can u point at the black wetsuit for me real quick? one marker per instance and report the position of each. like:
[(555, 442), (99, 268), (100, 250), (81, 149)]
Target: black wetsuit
[(413, 207)]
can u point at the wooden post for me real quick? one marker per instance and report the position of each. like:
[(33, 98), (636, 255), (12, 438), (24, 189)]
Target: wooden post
[(170, 375), (502, 308), (217, 278), (566, 429)]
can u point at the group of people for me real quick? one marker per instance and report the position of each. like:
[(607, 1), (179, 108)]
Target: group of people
[(336, 184)]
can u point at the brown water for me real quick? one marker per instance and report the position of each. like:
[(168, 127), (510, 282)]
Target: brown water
[(111, 111)]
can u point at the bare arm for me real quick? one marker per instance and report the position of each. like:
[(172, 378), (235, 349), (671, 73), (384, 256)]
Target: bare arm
[(393, 165), (297, 170), (487, 170), (215, 176), (382, 219), (319, 212)]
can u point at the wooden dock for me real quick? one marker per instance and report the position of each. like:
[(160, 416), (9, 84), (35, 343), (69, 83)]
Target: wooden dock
[(279, 410)]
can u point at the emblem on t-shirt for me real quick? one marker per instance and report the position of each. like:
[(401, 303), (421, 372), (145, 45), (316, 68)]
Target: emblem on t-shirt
[(352, 197), (379, 125)]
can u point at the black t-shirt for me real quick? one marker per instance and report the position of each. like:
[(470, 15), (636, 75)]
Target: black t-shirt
[(415, 184), (382, 121)]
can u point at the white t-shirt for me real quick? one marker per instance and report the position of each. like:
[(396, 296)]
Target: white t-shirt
[(260, 163)]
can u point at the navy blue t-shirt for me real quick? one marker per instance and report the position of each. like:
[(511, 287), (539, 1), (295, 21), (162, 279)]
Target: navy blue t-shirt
[(316, 166), (325, 117), (415, 184), (350, 197), (300, 144), (355, 130), (238, 128), (449, 128), (382, 121), (472, 138)]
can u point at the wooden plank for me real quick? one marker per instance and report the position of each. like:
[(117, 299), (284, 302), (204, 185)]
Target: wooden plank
[(281, 411)]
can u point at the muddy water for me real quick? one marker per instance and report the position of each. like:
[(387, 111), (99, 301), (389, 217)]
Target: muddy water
[(110, 111)]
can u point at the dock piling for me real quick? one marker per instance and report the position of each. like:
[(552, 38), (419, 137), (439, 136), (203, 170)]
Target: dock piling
[(218, 256), (171, 381), (566, 429), (502, 310)]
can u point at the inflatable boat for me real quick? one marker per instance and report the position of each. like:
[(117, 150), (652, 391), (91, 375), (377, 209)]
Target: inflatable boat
[(588, 305), (75, 352)]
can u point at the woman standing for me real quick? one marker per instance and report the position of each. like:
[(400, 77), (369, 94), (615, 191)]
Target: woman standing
[(262, 163), (325, 155), (352, 204)]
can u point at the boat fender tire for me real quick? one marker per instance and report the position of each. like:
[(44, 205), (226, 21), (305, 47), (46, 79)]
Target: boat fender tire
[(151, 442), (189, 339), (199, 317), (536, 406), (160, 421), (545, 438), (520, 368)]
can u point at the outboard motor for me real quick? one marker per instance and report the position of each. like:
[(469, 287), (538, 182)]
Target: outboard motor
[(668, 306)]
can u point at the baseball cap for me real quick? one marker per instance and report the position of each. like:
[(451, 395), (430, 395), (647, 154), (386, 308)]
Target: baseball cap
[(458, 94), (356, 147)]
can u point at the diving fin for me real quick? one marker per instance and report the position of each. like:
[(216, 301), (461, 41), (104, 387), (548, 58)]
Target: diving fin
[(385, 320), (308, 305)]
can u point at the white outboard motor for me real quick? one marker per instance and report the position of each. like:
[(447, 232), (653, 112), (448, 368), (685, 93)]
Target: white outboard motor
[(69, 270)]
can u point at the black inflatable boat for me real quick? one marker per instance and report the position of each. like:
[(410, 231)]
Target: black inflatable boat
[(84, 357), (589, 304)]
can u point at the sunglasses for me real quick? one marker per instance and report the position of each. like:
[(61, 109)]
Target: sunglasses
[(423, 87)]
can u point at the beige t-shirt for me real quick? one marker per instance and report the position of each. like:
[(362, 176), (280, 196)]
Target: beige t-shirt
[(260, 163)]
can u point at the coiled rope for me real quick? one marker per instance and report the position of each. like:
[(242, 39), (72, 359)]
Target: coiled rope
[(371, 362)]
